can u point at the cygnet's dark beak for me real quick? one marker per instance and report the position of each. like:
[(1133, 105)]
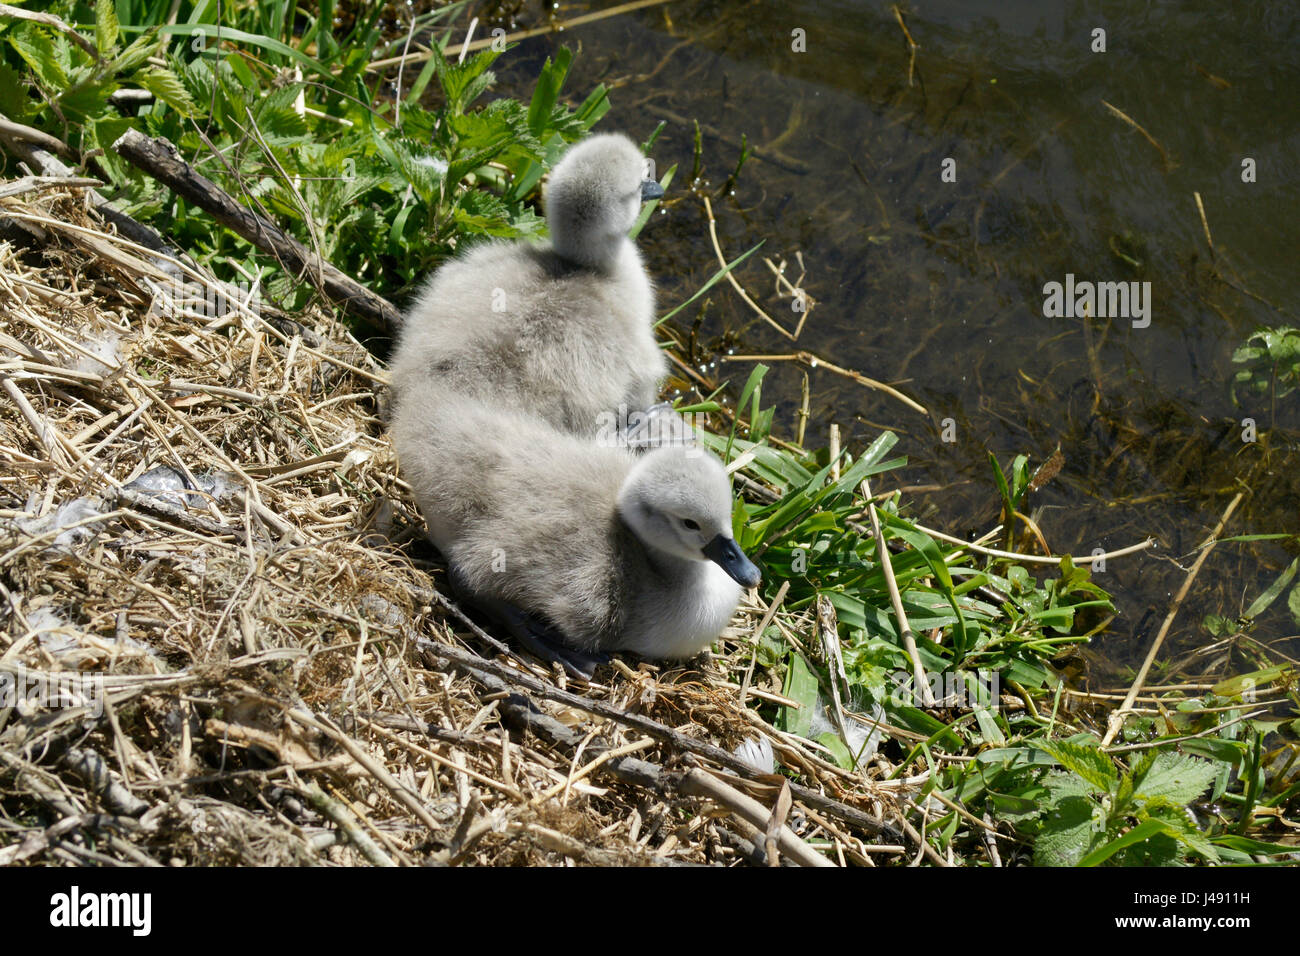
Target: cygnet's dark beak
[(651, 190), (726, 554)]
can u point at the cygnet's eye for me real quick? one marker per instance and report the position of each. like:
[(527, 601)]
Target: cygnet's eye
[(691, 523)]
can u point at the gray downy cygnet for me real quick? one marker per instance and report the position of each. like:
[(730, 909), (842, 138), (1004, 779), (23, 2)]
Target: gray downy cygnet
[(601, 549), (563, 330)]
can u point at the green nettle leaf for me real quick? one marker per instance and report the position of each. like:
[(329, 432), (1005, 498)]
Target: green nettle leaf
[(1067, 833), (1061, 784), (143, 47), (462, 83), (106, 26), (422, 171), (167, 86), (14, 102), (1175, 777), (1089, 763), (199, 79), (37, 50), (277, 119), (483, 212), (82, 101)]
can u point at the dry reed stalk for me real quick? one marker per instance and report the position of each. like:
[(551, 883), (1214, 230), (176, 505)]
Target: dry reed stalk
[(731, 276), (1116, 717), (248, 638), (813, 361)]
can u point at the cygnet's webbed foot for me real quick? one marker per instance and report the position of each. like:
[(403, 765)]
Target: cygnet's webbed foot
[(547, 643)]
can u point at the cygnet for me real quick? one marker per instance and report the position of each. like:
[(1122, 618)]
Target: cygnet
[(563, 330), (597, 546)]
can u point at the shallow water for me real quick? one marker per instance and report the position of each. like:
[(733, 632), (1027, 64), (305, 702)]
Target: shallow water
[(938, 287)]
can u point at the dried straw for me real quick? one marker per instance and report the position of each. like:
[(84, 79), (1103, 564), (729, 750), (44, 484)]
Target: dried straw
[(270, 672)]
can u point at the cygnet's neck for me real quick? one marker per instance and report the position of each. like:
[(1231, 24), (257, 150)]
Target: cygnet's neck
[(600, 253), (669, 566), (684, 610)]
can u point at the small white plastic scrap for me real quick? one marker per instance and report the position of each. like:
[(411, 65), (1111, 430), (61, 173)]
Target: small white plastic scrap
[(168, 483), (863, 739), (758, 754)]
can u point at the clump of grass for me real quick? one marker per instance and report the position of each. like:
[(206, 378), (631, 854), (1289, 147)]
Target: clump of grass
[(383, 179), (1026, 742)]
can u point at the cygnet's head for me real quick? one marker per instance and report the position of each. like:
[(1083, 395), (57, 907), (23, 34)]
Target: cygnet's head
[(678, 500), (594, 196)]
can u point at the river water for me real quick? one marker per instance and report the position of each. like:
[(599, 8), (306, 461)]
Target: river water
[(935, 283)]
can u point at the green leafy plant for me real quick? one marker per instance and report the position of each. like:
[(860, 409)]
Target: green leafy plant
[(973, 617), (1270, 360), (383, 181), (1093, 813)]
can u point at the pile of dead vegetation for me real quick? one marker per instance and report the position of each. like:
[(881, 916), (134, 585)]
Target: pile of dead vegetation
[(222, 640)]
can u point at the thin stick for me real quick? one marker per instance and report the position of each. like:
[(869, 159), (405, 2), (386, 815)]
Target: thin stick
[(344, 819), (525, 34), (47, 164), (758, 636), (813, 361), (469, 36), (896, 599), (1034, 558), (1117, 716), (912, 45), (17, 131), (1138, 126), (795, 291), (46, 433), (567, 783), (401, 67), (488, 669), (376, 769), (701, 784), (49, 20), (805, 400), (163, 162), (735, 283), (1204, 733), (1205, 224), (919, 838)]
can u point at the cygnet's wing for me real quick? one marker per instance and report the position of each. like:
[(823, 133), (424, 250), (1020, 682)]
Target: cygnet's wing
[(514, 325), (524, 513)]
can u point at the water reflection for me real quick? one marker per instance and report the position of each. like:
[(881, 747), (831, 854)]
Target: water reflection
[(937, 286)]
